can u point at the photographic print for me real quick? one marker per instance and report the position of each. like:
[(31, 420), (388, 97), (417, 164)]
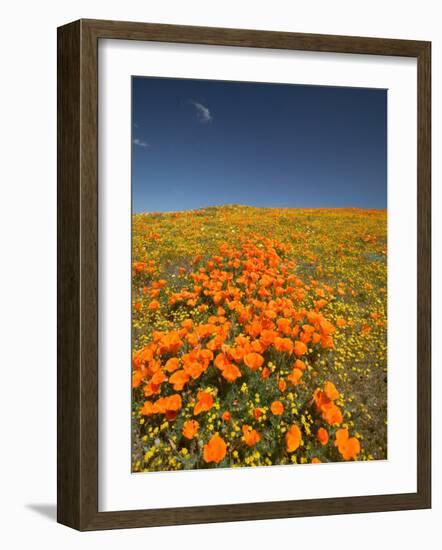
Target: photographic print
[(259, 274)]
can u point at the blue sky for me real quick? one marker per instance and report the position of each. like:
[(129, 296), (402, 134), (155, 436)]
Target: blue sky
[(197, 143)]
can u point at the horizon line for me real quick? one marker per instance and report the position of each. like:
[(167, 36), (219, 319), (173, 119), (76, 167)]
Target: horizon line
[(260, 207)]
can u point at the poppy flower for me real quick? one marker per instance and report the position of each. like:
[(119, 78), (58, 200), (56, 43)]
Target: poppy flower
[(327, 342), (172, 364), (154, 384), (349, 447), (148, 408), (352, 449), (138, 267), (293, 438), (154, 305), (190, 429), (330, 391), (295, 376), (319, 304), (322, 436), (171, 406), (332, 414), (316, 460), (320, 399), (194, 369), (221, 360), (284, 325), (215, 450), (283, 344), (204, 402), (179, 379), (300, 348), (305, 337), (298, 364), (187, 324), (226, 416), (268, 337), (253, 360), (231, 372), (316, 338), (277, 408), (250, 436), (168, 406), (137, 376)]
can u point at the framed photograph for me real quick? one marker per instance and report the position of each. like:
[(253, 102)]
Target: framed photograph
[(243, 275)]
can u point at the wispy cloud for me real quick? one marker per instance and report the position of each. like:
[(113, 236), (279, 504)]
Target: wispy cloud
[(140, 143), (202, 112)]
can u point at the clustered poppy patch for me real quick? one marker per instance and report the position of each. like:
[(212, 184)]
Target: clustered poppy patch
[(257, 347)]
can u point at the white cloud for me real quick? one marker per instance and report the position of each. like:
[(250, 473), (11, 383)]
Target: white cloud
[(202, 112), (140, 143)]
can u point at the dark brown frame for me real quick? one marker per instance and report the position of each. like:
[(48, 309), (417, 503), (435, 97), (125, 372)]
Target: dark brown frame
[(77, 225)]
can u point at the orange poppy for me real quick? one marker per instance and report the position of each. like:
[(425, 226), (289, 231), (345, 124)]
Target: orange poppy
[(330, 391), (172, 364), (179, 379), (268, 337), (293, 438), (153, 387), (137, 376), (316, 460), (283, 325), (253, 360), (190, 429), (300, 348), (298, 364), (221, 360), (226, 416), (295, 376), (204, 402), (332, 414), (327, 342), (277, 408), (215, 450), (236, 353), (322, 436), (193, 369), (173, 402), (148, 408), (352, 449), (231, 372), (138, 267), (283, 344), (250, 436), (165, 405), (154, 305), (187, 324), (320, 399), (349, 447), (305, 337), (265, 373)]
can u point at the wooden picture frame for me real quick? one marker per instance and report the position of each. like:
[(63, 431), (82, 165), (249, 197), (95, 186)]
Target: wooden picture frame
[(78, 274)]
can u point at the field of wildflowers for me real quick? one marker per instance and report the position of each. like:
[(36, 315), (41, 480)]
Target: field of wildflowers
[(259, 337)]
